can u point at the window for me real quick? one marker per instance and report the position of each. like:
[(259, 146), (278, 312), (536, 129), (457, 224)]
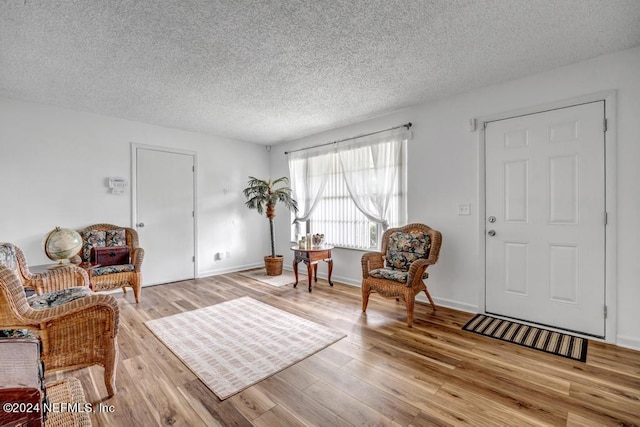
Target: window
[(338, 217), (352, 192)]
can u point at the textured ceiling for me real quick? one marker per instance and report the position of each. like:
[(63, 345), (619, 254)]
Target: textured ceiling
[(273, 70)]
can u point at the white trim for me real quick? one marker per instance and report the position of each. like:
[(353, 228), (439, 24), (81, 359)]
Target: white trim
[(628, 342), (440, 302), (609, 98), (234, 269), (448, 303), (611, 206), (134, 198)]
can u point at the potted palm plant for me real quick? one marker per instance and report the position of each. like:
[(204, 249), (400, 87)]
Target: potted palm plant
[(263, 196)]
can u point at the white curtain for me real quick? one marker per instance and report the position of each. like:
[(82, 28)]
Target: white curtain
[(309, 171), (370, 168)]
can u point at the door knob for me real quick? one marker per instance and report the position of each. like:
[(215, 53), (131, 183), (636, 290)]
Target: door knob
[(492, 233), (140, 225)]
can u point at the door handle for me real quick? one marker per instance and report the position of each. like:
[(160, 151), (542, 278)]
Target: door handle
[(140, 225), (492, 233), (492, 219)]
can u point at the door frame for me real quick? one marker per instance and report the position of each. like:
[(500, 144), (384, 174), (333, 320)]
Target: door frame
[(609, 98), (134, 190)]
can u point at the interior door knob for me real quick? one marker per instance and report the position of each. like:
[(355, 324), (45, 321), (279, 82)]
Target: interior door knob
[(140, 225), (492, 233)]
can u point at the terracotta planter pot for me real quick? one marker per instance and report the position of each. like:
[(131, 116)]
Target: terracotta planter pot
[(273, 265)]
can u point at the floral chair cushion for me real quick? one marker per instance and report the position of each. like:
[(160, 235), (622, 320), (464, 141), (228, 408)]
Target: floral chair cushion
[(92, 239), (8, 257), (405, 248), (110, 269), (101, 239), (116, 238), (56, 298), (396, 275)]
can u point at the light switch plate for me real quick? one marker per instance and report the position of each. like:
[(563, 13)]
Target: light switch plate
[(464, 209)]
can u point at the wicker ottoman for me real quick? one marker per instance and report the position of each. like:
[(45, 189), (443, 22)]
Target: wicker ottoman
[(68, 390)]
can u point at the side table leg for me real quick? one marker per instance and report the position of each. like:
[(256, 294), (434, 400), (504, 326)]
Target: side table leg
[(295, 271), (330, 267), (309, 274), (315, 272)]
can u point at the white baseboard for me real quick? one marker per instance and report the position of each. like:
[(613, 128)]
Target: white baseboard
[(334, 278), (456, 305), (621, 340), (232, 269), (628, 342), (443, 302)]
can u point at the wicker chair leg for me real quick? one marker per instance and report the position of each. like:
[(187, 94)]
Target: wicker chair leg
[(365, 297), (110, 369), (430, 299), (410, 302), (136, 292)]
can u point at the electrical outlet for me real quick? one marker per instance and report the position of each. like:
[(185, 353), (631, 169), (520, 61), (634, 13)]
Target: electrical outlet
[(464, 209)]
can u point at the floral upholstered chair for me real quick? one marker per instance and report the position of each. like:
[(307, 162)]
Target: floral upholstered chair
[(128, 274), (77, 327), (399, 269)]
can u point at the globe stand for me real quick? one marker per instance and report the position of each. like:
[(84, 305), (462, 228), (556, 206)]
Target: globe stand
[(61, 263)]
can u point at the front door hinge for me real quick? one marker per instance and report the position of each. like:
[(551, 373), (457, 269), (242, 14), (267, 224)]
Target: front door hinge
[(605, 312), (604, 125), (193, 258)]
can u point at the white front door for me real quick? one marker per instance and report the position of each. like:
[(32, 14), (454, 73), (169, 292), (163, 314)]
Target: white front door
[(545, 218), (164, 210)]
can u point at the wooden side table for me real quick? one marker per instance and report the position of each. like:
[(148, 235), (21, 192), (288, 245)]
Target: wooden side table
[(311, 257)]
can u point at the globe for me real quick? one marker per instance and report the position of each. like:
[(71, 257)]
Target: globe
[(61, 244)]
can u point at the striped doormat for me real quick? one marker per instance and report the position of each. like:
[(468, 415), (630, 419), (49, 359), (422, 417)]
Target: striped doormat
[(529, 336)]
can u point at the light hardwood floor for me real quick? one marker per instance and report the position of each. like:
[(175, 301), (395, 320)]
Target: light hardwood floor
[(382, 373)]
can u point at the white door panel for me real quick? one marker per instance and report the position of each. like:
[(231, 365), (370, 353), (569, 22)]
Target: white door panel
[(165, 207), (545, 187)]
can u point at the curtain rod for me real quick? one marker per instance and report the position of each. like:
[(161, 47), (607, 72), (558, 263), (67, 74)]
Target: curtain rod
[(406, 125)]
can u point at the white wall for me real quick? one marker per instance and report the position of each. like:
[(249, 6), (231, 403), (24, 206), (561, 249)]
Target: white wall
[(54, 162), (443, 172)]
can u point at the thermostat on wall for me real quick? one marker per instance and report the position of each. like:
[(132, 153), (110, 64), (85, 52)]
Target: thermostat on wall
[(118, 185)]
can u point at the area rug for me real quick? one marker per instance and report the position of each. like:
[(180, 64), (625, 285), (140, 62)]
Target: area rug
[(286, 278), (232, 345), (552, 342)]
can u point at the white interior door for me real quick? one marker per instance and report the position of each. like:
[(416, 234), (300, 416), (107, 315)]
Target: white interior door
[(165, 214), (545, 218)]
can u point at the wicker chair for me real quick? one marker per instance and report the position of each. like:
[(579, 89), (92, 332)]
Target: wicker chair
[(48, 281), (119, 276), (399, 269), (77, 327)]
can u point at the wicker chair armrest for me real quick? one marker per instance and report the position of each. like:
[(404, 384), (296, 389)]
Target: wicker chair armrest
[(57, 279), (136, 258), (416, 270), (79, 308), (371, 261)]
